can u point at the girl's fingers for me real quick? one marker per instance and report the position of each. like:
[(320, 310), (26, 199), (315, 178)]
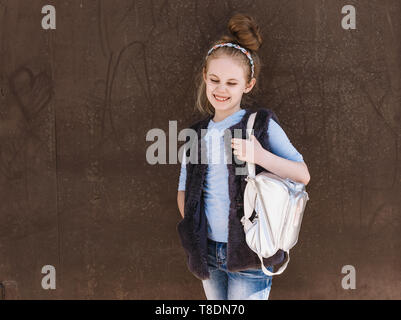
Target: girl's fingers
[(236, 140), (237, 153)]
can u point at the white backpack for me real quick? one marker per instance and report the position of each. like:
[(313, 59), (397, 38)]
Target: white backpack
[(279, 205)]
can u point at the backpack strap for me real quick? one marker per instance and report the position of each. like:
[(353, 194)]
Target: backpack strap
[(279, 271), (249, 128)]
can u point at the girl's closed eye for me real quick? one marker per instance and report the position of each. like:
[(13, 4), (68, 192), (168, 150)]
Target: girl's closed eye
[(230, 83)]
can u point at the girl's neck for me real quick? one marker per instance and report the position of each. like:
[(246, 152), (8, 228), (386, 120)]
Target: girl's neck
[(220, 115)]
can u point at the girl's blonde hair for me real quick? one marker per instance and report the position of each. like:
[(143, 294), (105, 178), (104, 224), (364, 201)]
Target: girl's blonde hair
[(244, 32)]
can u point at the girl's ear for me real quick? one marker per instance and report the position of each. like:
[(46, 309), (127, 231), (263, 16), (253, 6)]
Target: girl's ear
[(250, 85), (204, 73)]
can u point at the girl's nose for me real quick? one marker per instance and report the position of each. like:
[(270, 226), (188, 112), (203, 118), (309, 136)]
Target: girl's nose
[(221, 88)]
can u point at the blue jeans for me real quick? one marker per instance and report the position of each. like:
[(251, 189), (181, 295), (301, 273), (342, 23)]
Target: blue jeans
[(251, 284)]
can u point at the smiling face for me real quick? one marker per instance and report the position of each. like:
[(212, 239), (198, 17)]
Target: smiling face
[(225, 85)]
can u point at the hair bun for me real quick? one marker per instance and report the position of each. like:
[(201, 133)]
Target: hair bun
[(246, 31)]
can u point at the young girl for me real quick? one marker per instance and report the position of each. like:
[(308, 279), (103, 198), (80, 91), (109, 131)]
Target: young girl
[(210, 195)]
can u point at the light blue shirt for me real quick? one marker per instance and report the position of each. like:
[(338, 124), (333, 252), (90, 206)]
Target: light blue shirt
[(216, 198)]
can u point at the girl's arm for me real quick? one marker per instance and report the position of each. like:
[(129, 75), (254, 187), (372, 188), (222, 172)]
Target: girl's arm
[(180, 202), (294, 170), (252, 151)]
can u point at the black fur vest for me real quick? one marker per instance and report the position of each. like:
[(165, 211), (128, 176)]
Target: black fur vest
[(192, 229)]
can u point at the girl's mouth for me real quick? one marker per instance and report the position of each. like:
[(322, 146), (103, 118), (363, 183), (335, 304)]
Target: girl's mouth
[(221, 99)]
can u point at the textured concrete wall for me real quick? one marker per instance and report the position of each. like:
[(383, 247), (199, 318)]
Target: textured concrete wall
[(76, 103)]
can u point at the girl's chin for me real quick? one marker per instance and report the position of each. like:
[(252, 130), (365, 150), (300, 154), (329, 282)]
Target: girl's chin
[(226, 107), (222, 105)]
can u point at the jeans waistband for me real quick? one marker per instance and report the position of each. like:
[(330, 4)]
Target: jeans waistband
[(218, 250)]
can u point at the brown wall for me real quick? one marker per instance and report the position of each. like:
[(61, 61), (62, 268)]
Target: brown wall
[(76, 103)]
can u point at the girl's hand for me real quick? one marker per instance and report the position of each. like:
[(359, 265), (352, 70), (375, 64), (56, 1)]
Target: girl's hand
[(247, 150)]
